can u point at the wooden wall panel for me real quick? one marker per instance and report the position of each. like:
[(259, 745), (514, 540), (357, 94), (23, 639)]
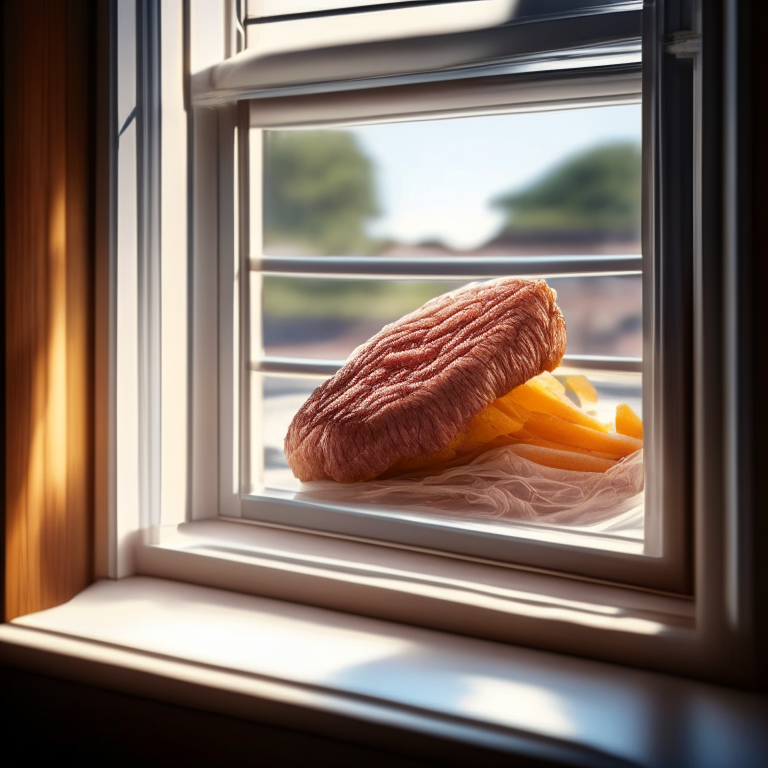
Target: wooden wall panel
[(49, 302)]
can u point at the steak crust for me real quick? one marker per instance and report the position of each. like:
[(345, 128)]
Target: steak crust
[(416, 384)]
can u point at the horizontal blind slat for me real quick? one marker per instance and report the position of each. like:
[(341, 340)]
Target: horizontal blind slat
[(294, 366), (454, 268)]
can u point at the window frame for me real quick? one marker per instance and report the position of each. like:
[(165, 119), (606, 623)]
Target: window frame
[(717, 629), (406, 97)]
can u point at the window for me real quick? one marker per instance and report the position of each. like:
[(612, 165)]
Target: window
[(205, 442), (539, 90)]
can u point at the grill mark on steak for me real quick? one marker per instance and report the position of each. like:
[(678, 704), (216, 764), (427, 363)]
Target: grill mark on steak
[(409, 390)]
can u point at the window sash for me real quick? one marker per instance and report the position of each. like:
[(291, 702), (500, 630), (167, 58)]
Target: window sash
[(666, 535)]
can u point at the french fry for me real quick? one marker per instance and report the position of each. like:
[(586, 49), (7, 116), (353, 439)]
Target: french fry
[(515, 411), (505, 420), (542, 443), (541, 397), (479, 431), (548, 457), (487, 425), (548, 381), (501, 421), (582, 387), (559, 431), (628, 422)]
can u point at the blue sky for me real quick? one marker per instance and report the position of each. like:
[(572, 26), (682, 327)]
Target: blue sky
[(436, 177)]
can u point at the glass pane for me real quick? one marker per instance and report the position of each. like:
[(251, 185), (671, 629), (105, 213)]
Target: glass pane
[(540, 183), (282, 396), (531, 184), (328, 318)]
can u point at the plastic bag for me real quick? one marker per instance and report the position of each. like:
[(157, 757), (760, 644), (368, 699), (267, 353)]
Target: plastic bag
[(500, 485)]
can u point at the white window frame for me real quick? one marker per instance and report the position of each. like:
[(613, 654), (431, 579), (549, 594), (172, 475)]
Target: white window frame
[(693, 634), (481, 88)]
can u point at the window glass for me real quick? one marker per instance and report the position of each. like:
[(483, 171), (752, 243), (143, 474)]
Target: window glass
[(496, 189), (328, 318), (540, 183)]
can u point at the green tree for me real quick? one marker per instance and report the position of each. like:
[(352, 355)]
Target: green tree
[(596, 190), (319, 192)]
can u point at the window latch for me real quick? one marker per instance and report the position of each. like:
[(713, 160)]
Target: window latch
[(683, 45)]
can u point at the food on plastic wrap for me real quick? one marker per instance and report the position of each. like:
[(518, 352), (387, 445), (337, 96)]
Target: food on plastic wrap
[(453, 410), (498, 469)]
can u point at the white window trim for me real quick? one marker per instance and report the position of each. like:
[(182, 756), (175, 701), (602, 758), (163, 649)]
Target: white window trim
[(717, 646), (486, 91)]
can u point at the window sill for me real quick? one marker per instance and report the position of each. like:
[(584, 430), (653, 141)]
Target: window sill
[(373, 681), (427, 589)]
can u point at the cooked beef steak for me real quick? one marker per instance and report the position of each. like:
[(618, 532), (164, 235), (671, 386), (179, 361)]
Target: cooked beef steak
[(416, 384)]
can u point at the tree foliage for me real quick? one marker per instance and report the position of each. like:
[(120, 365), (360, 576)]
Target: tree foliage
[(596, 190), (319, 192)]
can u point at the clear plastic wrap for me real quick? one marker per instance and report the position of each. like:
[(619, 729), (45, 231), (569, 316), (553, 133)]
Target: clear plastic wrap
[(500, 485)]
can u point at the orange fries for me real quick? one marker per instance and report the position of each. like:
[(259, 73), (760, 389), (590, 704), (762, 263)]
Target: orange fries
[(540, 423)]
